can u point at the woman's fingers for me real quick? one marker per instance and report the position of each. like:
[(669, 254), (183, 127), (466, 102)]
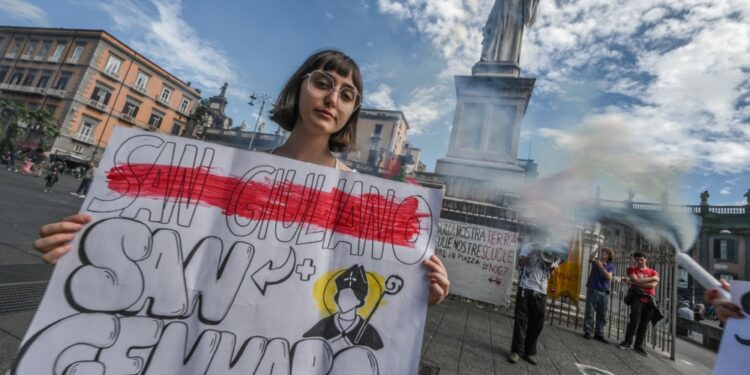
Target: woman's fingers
[(59, 227), (51, 242), (54, 255)]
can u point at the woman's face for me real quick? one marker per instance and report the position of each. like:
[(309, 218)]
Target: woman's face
[(326, 101)]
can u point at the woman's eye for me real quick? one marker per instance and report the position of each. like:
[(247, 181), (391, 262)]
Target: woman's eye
[(323, 84), (347, 95)]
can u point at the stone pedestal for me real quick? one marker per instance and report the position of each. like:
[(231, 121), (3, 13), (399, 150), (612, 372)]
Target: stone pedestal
[(481, 160)]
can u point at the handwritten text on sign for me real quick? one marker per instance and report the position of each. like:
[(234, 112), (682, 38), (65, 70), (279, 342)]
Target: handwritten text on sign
[(479, 259), (203, 259)]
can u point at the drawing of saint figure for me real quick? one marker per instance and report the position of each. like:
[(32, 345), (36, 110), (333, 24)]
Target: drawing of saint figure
[(346, 328)]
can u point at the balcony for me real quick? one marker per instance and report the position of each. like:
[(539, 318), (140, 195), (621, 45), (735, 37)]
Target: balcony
[(84, 138), (25, 56), (112, 74), (10, 55), (38, 58), (140, 89), (162, 101), (32, 90), (98, 105), (128, 118)]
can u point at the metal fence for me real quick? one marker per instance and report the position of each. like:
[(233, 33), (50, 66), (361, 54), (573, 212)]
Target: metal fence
[(563, 311)]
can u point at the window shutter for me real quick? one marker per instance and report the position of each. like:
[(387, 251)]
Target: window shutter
[(717, 249), (732, 250)]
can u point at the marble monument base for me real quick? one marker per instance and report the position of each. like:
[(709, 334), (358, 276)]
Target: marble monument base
[(482, 154), (491, 68)]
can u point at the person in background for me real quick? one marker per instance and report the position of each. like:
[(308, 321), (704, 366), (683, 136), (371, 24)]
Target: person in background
[(50, 180), (597, 293), (531, 300), (88, 177), (686, 313), (645, 280)]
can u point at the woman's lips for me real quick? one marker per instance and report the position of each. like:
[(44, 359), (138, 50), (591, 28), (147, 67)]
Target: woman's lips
[(325, 113)]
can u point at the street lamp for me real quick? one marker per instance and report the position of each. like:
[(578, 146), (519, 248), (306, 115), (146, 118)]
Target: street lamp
[(264, 98)]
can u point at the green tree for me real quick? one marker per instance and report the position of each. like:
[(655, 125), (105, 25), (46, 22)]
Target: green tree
[(39, 124)]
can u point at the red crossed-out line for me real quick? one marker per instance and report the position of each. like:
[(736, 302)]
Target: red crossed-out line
[(368, 216)]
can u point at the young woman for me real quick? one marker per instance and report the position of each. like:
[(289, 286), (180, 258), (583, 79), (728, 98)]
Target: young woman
[(319, 105)]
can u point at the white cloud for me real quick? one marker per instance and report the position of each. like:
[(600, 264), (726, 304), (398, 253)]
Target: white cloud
[(381, 97), (725, 190), (426, 105), (171, 42), (24, 10)]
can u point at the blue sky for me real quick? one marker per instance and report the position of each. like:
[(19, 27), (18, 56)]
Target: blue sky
[(652, 95)]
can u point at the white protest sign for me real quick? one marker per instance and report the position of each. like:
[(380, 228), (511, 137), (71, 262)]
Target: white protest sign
[(480, 260), (734, 350), (203, 259)]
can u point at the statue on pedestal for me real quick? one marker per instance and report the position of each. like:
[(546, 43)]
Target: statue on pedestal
[(504, 30), (704, 198)]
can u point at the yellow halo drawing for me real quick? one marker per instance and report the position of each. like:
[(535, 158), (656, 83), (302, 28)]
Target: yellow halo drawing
[(325, 288)]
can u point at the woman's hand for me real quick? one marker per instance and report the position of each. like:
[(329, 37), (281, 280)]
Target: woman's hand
[(55, 238), (439, 283), (724, 309)]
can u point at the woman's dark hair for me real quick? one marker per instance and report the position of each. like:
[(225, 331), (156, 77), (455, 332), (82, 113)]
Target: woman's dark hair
[(286, 110)]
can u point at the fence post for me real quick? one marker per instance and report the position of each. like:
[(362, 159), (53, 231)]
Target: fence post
[(673, 308)]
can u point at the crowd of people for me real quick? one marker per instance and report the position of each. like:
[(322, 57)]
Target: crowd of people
[(38, 163), (536, 268)]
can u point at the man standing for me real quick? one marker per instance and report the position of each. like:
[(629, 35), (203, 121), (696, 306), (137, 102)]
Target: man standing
[(531, 300), (644, 280), (597, 293), (83, 188)]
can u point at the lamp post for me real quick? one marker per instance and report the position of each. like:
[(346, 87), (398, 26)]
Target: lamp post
[(264, 98)]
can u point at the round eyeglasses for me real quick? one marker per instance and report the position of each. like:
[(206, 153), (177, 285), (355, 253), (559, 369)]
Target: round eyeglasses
[(323, 84)]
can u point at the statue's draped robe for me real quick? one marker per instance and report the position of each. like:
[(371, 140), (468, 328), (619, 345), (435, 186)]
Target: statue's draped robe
[(504, 30)]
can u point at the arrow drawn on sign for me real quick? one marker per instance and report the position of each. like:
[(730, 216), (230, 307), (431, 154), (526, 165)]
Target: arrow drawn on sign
[(268, 275)]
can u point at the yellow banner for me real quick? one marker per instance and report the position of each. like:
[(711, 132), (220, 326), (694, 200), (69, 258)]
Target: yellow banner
[(566, 280)]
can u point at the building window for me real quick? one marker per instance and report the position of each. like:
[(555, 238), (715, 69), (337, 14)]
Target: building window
[(13, 51), (30, 47), (58, 52), (44, 50), (184, 105), (155, 121), (726, 277), (78, 148), (44, 79), (166, 92), (62, 82), (113, 66), (15, 79), (141, 82), (378, 130), (131, 107), (176, 128), (86, 130), (101, 95), (30, 77), (725, 250), (3, 73), (76, 55)]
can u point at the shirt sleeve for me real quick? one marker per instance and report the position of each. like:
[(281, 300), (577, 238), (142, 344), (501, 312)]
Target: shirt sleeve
[(630, 271), (610, 268)]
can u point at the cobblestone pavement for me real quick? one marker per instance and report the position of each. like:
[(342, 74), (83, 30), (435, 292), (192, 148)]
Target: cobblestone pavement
[(460, 337)]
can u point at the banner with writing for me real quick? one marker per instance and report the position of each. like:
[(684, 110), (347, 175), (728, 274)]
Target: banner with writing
[(566, 280), (480, 260), (203, 259)]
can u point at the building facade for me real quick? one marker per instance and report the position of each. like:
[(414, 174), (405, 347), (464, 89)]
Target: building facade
[(91, 82), (381, 138)]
